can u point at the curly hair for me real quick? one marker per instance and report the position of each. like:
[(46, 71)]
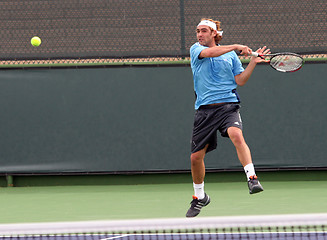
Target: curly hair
[(218, 37)]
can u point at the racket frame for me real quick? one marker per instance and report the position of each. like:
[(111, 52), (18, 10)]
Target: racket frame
[(255, 54)]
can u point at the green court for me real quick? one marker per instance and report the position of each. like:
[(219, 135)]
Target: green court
[(148, 196)]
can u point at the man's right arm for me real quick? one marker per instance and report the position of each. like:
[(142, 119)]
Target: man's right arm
[(220, 50)]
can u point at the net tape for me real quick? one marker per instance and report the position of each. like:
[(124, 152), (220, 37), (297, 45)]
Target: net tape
[(186, 224)]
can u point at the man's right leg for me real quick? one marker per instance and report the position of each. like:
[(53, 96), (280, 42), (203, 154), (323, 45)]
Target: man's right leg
[(200, 198), (197, 165), (244, 155)]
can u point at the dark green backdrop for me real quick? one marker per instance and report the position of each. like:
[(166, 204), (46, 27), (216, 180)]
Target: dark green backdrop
[(140, 119)]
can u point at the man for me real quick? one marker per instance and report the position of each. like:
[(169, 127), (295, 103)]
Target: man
[(217, 71)]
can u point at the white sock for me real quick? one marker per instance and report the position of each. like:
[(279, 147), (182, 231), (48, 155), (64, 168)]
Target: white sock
[(199, 190), (249, 170)]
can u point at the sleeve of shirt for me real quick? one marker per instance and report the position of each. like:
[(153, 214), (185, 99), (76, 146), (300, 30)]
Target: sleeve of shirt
[(237, 65), (195, 51)]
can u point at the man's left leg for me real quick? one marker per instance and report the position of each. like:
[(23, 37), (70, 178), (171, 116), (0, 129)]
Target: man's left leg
[(244, 155)]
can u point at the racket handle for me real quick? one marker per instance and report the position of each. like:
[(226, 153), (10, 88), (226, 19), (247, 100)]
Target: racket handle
[(255, 54)]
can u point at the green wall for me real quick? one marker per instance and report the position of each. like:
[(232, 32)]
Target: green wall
[(140, 119)]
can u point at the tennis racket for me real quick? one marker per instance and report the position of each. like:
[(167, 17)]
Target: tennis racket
[(283, 62)]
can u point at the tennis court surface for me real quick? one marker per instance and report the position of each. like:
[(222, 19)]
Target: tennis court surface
[(287, 209)]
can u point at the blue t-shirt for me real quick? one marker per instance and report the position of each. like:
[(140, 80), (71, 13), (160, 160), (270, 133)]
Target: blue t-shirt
[(214, 78)]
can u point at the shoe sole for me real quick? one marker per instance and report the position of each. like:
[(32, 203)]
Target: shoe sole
[(256, 190)]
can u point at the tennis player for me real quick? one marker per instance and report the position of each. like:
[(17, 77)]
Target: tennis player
[(217, 71)]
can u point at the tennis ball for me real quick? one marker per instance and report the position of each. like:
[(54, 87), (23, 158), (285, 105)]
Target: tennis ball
[(36, 41)]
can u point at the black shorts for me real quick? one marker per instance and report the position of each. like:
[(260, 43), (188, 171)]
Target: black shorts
[(209, 119)]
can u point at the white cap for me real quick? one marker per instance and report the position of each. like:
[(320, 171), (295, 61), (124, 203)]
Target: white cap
[(212, 25)]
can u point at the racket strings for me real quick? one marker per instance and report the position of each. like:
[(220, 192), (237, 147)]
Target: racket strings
[(286, 63)]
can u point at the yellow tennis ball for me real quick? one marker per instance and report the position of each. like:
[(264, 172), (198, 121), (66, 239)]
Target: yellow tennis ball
[(36, 41)]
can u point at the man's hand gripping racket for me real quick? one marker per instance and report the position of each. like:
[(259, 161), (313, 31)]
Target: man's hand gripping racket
[(283, 62)]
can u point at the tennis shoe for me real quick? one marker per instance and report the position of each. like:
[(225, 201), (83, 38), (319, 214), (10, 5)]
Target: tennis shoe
[(254, 185), (197, 205)]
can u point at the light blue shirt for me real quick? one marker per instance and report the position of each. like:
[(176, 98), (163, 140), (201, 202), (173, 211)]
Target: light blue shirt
[(214, 78)]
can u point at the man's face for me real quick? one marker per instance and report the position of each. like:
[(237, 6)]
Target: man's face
[(204, 35)]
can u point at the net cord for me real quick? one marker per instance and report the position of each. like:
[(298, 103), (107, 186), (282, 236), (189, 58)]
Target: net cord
[(164, 224)]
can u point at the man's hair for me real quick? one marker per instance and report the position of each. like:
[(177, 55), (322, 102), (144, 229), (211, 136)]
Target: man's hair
[(218, 37)]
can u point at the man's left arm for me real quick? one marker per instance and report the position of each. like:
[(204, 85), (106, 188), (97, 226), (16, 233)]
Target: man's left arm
[(243, 77)]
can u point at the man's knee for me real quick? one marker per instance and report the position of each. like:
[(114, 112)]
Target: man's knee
[(236, 135), (198, 156)]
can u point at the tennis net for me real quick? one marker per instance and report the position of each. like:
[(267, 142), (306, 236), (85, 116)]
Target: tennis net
[(298, 226)]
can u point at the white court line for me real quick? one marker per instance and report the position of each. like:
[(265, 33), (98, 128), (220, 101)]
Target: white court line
[(116, 237)]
